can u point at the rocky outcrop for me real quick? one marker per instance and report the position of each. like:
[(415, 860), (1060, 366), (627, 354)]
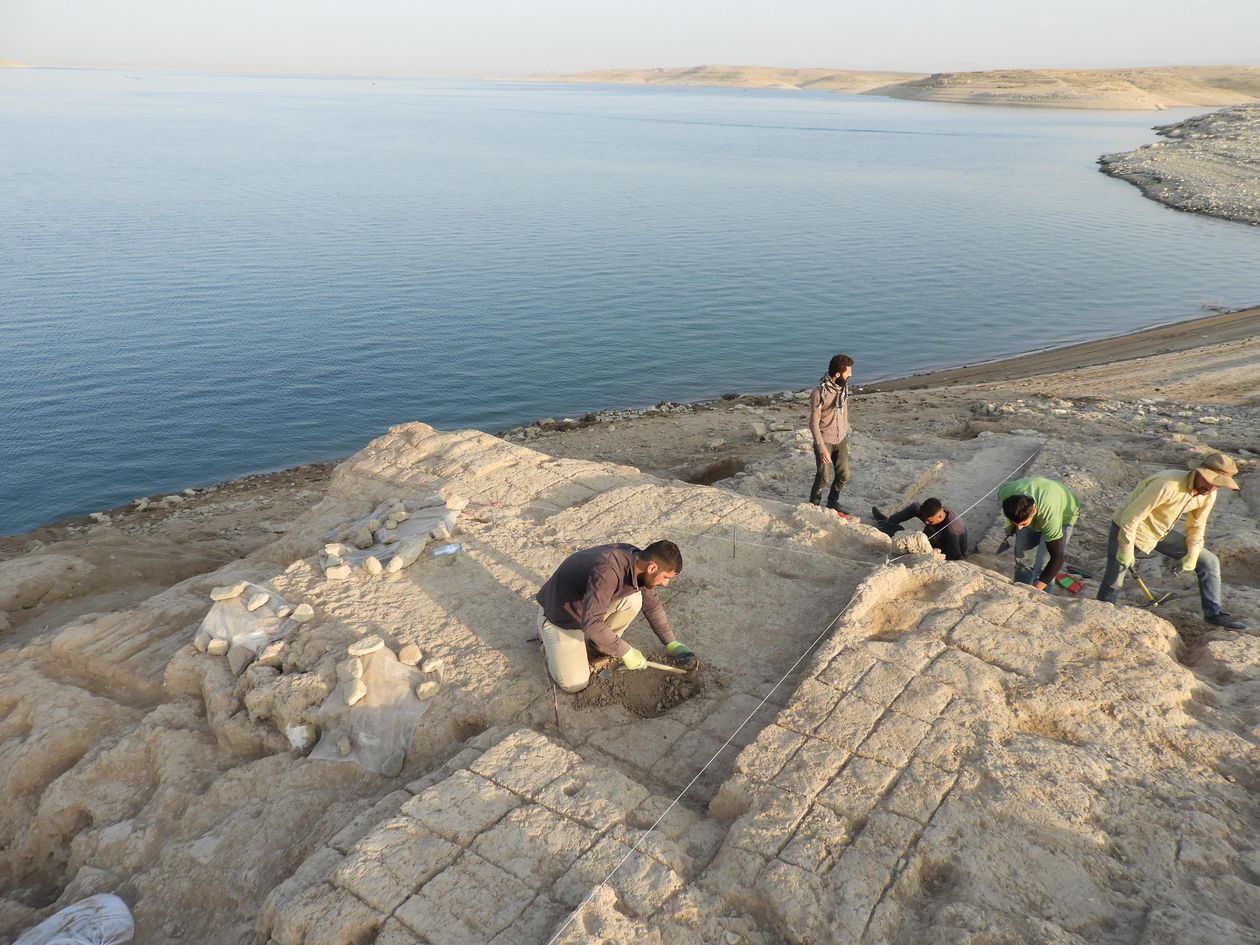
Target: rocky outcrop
[(1210, 164)]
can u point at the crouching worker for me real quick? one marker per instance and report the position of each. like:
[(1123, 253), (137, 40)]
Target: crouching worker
[(1146, 520), (945, 531), (1040, 514), (591, 600)]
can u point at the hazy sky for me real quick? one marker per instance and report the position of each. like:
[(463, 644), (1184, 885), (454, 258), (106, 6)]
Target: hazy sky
[(506, 37)]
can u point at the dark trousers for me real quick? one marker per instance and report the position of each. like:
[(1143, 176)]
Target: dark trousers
[(835, 473)]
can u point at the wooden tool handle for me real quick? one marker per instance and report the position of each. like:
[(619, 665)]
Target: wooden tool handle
[(668, 669)]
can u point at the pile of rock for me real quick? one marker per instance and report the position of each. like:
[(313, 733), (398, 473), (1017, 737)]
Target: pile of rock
[(391, 537)]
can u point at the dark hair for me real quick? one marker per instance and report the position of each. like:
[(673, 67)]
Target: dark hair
[(1017, 507), (665, 553), (928, 508), (838, 364)]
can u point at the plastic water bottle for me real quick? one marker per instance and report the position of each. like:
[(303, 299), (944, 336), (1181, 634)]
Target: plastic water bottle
[(443, 550)]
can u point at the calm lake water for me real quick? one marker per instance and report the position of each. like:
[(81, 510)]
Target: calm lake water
[(205, 276)]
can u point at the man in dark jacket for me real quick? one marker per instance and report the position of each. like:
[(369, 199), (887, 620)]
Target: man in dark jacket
[(945, 531), (592, 598)]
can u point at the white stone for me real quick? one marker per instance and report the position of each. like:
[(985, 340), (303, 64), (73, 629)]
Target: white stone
[(217, 647), (101, 518), (433, 664), (410, 654), (440, 532), (391, 523), (332, 561), (239, 657), (392, 766), (372, 565), (142, 505), (338, 573), (336, 548), (369, 644), (229, 591), (256, 600), (343, 745), (362, 537), (355, 690), (406, 555), (427, 690), (301, 737), (284, 611), (349, 669), (303, 613), (456, 503), (201, 641)]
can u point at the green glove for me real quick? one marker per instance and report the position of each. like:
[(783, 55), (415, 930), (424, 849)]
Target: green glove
[(1190, 561), (681, 652), (1126, 558), (634, 659)]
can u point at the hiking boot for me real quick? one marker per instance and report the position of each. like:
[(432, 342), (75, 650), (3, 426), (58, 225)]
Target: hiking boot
[(879, 516), (1225, 620)]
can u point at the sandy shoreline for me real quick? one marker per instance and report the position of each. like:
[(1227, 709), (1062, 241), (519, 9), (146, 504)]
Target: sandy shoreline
[(1146, 342)]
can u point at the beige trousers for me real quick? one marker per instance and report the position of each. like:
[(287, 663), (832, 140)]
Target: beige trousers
[(566, 649)]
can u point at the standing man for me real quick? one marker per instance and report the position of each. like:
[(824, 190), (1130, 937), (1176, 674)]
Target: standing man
[(829, 425), (593, 597), (1146, 520), (1040, 514), (945, 531)]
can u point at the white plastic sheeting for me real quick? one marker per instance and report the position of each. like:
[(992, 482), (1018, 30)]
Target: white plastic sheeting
[(97, 920), (380, 725), (229, 620)]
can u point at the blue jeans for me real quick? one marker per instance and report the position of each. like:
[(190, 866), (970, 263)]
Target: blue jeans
[(1173, 545), (1031, 554)]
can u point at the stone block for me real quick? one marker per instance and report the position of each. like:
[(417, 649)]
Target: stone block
[(689, 755), (971, 678), (525, 762), (765, 757), (392, 862), (919, 791), (1008, 650), (882, 683), (358, 828), (819, 840), (850, 723), (811, 769), (326, 915), (846, 670), (770, 822), (469, 902), (534, 844), (595, 797), (642, 884), (732, 869), (894, 739), (811, 703), (946, 745), (461, 806), (798, 899), (734, 711), (997, 610), (642, 743), (394, 932), (538, 923), (923, 699), (858, 787)]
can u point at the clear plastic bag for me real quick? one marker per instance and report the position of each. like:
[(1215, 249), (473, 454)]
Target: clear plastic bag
[(229, 620)]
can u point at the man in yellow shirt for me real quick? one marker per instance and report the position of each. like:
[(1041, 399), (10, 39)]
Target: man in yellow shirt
[(1145, 523)]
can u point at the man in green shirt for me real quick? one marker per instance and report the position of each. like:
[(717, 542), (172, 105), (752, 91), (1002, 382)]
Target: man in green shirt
[(1040, 514)]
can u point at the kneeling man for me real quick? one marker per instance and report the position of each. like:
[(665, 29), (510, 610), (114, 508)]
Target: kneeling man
[(1145, 523), (593, 597)]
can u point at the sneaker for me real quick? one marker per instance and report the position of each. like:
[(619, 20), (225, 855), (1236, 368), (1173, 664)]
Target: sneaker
[(1225, 620), (879, 516)]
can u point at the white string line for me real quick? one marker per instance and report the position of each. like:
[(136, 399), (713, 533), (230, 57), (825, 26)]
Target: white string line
[(634, 849), (818, 639)]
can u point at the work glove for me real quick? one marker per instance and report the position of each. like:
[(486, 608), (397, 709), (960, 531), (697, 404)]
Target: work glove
[(634, 659), (680, 652), (1126, 557), (1189, 562)]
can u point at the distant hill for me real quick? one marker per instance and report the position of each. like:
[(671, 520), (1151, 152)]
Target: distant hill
[(1147, 88), (743, 77), (12, 64)]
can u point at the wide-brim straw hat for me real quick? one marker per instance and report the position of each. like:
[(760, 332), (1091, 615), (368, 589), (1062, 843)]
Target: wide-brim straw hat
[(1218, 469)]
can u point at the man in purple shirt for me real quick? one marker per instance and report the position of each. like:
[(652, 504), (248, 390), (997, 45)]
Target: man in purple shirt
[(591, 600)]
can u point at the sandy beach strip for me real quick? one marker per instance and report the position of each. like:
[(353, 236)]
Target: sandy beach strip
[(1160, 339)]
